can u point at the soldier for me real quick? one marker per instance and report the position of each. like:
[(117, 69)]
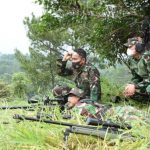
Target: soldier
[(86, 76), (92, 109), (139, 63)]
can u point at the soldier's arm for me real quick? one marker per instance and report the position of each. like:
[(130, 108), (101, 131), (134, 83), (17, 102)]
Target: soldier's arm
[(135, 78), (84, 109), (95, 88), (144, 71), (63, 69), (88, 110)]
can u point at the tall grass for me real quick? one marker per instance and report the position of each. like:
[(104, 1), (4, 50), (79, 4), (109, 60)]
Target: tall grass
[(26, 135)]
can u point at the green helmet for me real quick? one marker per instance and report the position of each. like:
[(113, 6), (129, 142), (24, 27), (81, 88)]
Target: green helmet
[(77, 92), (137, 41), (131, 41), (60, 91)]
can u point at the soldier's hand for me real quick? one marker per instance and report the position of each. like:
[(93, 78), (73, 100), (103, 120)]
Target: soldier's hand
[(129, 90), (67, 56)]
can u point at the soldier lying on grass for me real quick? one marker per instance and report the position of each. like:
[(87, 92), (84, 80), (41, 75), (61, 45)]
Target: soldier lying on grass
[(77, 103)]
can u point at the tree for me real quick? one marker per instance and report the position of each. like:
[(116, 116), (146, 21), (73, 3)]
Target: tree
[(103, 26), (46, 46), (9, 64), (5, 91), (100, 27)]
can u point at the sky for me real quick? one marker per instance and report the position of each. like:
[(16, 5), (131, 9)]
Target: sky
[(12, 29)]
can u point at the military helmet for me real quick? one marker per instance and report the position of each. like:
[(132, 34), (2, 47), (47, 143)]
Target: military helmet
[(59, 91), (139, 46), (131, 41), (77, 92)]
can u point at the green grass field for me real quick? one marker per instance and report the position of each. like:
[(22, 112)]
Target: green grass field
[(27, 135)]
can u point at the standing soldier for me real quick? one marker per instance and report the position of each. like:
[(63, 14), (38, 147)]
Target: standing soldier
[(86, 76), (139, 63)]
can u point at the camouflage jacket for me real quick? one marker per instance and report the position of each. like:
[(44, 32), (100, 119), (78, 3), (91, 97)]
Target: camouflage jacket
[(86, 78), (140, 70), (128, 114), (93, 110), (104, 112)]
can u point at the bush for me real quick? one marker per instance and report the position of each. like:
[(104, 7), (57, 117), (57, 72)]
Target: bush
[(20, 84), (110, 90), (5, 91)]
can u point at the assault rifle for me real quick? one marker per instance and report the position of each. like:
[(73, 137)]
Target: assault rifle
[(45, 102), (109, 130)]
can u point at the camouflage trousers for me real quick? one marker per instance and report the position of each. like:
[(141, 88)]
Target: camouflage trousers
[(129, 114), (63, 90)]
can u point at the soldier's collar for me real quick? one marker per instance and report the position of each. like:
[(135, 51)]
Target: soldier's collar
[(138, 57), (83, 66)]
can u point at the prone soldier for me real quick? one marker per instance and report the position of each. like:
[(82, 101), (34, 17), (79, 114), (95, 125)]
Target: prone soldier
[(89, 108)]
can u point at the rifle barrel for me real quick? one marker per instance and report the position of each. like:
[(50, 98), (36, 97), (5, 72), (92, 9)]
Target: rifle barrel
[(21, 117), (16, 107), (104, 123), (103, 133), (55, 99), (108, 123)]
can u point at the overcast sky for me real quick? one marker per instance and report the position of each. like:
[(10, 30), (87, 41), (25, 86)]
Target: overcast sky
[(12, 29)]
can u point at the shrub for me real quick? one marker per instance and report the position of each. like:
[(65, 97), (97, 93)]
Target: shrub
[(5, 90)]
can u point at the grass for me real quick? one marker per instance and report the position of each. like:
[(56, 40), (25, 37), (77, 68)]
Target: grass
[(26, 135)]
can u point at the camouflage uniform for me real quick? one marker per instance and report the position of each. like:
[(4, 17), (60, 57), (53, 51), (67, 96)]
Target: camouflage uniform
[(128, 114), (140, 70), (104, 112), (93, 110), (86, 78)]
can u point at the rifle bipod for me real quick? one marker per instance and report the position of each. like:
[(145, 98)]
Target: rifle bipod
[(101, 133), (66, 136)]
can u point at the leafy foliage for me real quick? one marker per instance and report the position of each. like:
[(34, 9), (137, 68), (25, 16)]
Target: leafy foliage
[(46, 47), (5, 90), (101, 26), (20, 84)]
